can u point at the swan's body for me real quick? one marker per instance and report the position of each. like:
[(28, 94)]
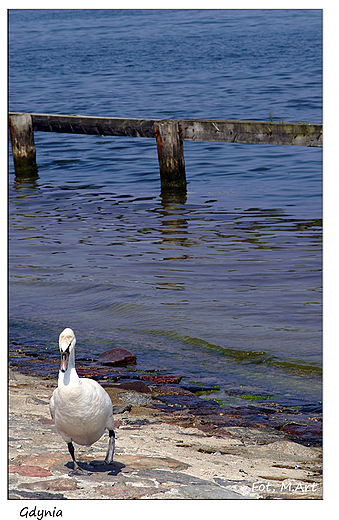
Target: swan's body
[(81, 412), (80, 408)]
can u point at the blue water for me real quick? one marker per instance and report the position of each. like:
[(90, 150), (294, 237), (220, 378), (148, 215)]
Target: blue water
[(224, 286)]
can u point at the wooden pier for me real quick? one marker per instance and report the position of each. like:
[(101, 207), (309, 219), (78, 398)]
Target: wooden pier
[(169, 136)]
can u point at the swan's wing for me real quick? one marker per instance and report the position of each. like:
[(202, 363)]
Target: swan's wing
[(52, 406), (104, 399)]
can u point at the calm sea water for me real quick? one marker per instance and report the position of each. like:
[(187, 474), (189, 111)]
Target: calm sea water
[(223, 287)]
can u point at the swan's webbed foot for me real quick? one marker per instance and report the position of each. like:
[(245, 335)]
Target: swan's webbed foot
[(111, 447), (79, 471)]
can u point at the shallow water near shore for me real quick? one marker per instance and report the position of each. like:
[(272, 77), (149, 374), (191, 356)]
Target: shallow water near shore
[(222, 286)]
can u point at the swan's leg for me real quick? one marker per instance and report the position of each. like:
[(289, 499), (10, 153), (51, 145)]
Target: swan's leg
[(76, 468), (111, 447)]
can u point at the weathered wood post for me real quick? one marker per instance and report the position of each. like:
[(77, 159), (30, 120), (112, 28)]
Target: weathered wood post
[(23, 147), (171, 156)]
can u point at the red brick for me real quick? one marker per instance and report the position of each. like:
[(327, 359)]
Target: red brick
[(30, 471)]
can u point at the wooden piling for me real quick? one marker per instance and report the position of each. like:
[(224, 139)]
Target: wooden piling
[(171, 156), (23, 146)]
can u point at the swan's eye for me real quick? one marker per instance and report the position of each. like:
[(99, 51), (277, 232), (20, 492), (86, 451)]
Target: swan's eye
[(66, 351)]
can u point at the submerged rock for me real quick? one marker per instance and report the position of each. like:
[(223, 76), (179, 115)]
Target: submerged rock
[(137, 386), (162, 379), (117, 357)]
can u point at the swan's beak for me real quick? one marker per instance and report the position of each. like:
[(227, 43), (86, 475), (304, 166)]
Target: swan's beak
[(64, 361)]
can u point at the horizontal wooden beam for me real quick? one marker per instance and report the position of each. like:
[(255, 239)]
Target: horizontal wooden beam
[(73, 124), (255, 132)]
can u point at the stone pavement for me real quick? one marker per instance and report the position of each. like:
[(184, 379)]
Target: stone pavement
[(157, 457)]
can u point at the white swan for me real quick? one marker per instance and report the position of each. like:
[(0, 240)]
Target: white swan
[(80, 408)]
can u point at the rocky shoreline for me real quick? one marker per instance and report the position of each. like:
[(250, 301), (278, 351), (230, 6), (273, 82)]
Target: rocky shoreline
[(170, 444)]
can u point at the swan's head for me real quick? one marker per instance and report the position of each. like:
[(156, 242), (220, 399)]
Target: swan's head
[(66, 344)]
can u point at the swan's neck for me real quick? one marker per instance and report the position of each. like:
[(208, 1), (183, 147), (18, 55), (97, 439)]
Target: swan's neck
[(70, 377)]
